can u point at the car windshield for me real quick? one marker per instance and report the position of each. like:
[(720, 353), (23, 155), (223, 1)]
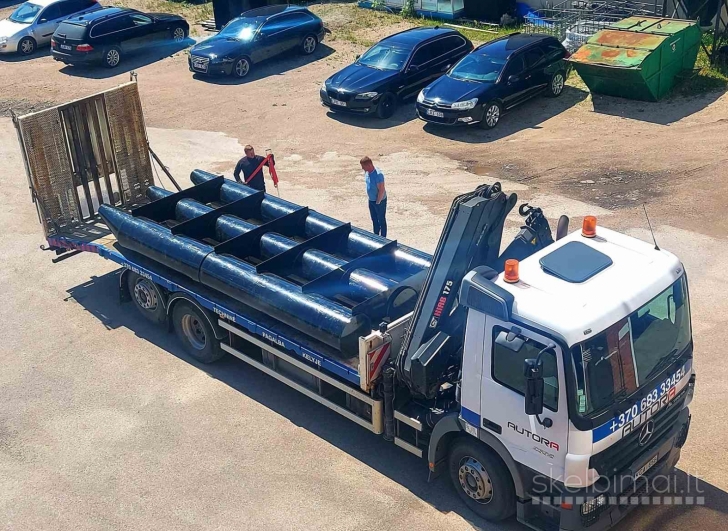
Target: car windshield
[(630, 353), (242, 29), (478, 67), (384, 57), (26, 13)]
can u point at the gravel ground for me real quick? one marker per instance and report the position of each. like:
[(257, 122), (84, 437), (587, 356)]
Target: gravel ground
[(106, 424)]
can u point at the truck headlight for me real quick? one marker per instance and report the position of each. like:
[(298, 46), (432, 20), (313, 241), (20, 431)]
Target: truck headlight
[(421, 96), (465, 105), (595, 504), (367, 96)]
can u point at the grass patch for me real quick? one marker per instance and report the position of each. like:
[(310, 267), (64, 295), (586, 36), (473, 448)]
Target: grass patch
[(706, 77), (364, 27)]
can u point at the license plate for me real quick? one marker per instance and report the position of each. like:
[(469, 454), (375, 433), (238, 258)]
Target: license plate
[(200, 67), (338, 102), (644, 468), (66, 47), (436, 114)]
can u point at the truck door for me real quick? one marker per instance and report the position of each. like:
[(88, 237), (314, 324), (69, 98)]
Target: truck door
[(502, 397)]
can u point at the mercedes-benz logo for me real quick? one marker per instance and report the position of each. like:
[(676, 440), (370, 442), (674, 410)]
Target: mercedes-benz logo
[(646, 432)]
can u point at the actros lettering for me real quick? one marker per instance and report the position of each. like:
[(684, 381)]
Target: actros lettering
[(534, 436)]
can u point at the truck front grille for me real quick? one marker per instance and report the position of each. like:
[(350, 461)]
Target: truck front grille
[(618, 456)]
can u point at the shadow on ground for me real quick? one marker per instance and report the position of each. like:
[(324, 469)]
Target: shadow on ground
[(529, 115), (274, 67), (17, 58), (700, 502), (405, 113), (99, 296), (672, 109), (129, 60)]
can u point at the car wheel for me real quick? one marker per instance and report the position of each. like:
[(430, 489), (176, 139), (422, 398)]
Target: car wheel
[(491, 115), (26, 46), (112, 57), (556, 86), (309, 44), (387, 105), (179, 34), (241, 67)]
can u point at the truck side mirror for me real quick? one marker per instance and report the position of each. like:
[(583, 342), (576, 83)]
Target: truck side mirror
[(511, 340), (533, 371)]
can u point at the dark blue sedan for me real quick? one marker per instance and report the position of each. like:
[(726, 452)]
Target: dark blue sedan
[(494, 78), (257, 35)]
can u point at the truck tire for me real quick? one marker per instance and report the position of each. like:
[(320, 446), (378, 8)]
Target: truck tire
[(482, 480), (195, 332), (147, 298)]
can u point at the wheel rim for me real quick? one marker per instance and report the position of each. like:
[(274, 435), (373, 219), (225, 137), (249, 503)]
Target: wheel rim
[(386, 106), (241, 68), (145, 295), (492, 115), (26, 46), (178, 35), (112, 57), (557, 84), (309, 45), (475, 481), (194, 331)]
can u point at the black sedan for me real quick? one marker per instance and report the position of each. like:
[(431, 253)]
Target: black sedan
[(106, 35), (257, 35), (394, 69), (494, 78)]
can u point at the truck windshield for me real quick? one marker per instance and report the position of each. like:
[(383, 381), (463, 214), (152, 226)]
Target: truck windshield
[(630, 353)]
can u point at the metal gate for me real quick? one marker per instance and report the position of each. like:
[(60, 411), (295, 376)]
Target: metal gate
[(84, 153)]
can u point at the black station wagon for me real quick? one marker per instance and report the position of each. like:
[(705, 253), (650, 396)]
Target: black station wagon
[(105, 36)]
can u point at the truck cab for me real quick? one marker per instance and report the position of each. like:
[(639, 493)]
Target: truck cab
[(577, 373)]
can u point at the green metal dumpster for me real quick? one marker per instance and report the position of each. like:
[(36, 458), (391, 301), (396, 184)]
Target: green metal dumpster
[(638, 57)]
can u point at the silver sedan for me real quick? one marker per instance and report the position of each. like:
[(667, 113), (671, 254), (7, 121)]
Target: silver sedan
[(32, 24)]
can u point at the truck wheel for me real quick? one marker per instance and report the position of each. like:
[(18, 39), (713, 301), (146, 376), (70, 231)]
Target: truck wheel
[(147, 298), (196, 334), (482, 481)]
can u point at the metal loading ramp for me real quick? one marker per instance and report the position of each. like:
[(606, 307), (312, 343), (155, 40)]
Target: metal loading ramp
[(638, 57)]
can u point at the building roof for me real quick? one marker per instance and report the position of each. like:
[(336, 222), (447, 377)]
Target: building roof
[(579, 310)]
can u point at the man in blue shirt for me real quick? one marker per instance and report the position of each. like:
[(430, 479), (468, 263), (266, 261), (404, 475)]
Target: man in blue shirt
[(377, 196)]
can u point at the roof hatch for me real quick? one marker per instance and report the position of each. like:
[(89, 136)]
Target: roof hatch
[(575, 262)]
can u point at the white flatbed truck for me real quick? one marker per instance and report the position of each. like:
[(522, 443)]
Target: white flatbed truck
[(551, 381)]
